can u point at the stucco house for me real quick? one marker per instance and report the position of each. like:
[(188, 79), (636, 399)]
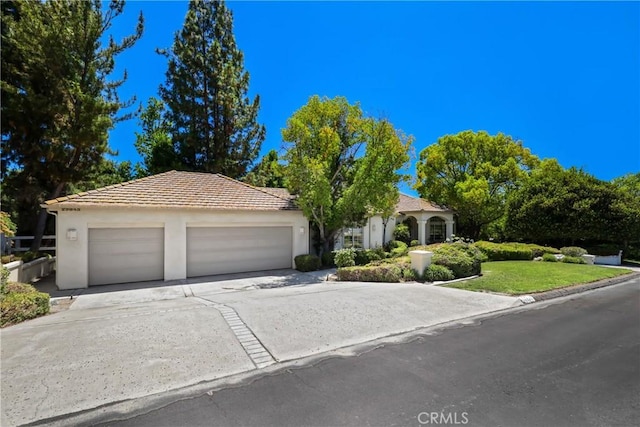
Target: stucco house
[(172, 226), (178, 225), (428, 223)]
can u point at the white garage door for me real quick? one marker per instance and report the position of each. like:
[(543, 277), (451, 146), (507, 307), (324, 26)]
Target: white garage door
[(222, 250), (121, 255)]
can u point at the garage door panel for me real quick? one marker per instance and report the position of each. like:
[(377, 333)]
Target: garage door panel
[(222, 250), (121, 255)]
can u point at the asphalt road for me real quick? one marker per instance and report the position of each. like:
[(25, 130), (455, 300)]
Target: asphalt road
[(574, 363)]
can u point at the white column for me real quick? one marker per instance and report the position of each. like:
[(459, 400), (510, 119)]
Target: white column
[(449, 229), (421, 230)]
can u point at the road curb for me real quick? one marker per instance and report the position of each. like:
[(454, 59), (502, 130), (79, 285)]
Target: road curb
[(576, 289)]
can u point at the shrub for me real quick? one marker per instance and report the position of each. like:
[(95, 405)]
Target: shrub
[(16, 307), (327, 259), (307, 262), (345, 257), (4, 280), (504, 251), (398, 248), (572, 251), (409, 274), (371, 273), (549, 258), (456, 258), (414, 243), (437, 273), (402, 233), (538, 250), (573, 260)]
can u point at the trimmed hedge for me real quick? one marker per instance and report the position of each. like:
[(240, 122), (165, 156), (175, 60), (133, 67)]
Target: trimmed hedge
[(398, 248), (20, 302), (539, 250), (573, 260), (573, 251), (414, 243), (307, 262), (505, 251), (437, 273), (372, 273), (461, 258), (549, 258)]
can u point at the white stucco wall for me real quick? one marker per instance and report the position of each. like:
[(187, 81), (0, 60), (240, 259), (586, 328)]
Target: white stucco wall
[(72, 256)]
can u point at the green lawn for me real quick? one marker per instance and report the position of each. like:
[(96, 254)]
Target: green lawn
[(523, 277)]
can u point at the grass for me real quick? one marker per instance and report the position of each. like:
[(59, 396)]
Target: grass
[(524, 277)]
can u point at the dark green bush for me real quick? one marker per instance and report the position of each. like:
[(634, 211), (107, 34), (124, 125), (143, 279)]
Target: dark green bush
[(504, 251), (307, 262), (22, 302), (457, 258), (549, 258), (539, 250), (402, 233), (573, 260), (437, 273), (414, 243), (327, 259), (573, 251), (361, 257), (371, 273), (345, 257), (398, 248)]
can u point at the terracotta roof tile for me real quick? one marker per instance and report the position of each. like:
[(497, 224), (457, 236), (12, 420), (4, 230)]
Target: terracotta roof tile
[(415, 204), (183, 190)]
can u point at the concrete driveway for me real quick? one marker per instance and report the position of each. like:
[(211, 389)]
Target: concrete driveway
[(123, 342)]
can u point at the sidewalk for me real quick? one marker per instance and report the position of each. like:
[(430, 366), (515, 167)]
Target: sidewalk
[(122, 344)]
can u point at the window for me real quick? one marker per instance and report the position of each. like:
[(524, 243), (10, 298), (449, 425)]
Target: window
[(436, 230), (352, 238)]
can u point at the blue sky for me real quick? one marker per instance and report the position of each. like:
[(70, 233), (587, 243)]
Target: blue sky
[(562, 77)]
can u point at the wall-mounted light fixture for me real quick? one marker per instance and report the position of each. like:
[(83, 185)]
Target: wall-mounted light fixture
[(72, 234), (301, 230)]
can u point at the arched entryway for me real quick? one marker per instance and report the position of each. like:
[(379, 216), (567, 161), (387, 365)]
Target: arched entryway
[(436, 229)]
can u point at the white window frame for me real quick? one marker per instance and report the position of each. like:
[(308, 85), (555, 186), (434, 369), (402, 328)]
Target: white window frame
[(353, 237)]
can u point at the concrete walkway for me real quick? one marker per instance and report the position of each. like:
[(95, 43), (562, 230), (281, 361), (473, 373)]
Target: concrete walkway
[(122, 342)]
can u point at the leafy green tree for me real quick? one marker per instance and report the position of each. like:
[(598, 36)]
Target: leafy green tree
[(107, 172), (213, 122), (340, 164), (269, 172), (568, 205), (58, 101), (154, 143), (473, 173)]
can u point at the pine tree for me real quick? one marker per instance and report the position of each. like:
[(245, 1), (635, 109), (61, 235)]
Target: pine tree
[(214, 123)]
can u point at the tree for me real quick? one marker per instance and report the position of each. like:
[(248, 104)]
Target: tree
[(343, 166), (58, 101), (154, 144), (568, 205), (269, 172), (473, 173), (214, 123)]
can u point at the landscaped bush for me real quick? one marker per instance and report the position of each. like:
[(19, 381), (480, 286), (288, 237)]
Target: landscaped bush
[(573, 260), (345, 257), (307, 262), (459, 259), (505, 251), (371, 273), (327, 259), (549, 258), (402, 233), (398, 248), (409, 274), (572, 251), (539, 250), (414, 243), (19, 301), (437, 273)]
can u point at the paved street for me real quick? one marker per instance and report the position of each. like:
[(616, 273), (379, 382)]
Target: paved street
[(568, 362), (122, 343)]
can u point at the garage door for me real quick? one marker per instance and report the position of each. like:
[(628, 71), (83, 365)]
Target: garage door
[(121, 255), (221, 250)]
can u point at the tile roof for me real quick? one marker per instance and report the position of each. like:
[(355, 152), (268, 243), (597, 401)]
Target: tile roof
[(416, 204), (182, 190)]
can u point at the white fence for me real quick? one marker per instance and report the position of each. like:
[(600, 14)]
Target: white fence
[(28, 272), (16, 244)]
